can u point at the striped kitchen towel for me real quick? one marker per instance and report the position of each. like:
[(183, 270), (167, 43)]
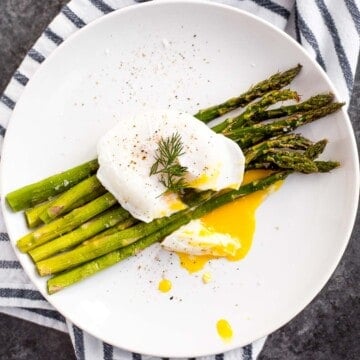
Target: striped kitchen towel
[(328, 30)]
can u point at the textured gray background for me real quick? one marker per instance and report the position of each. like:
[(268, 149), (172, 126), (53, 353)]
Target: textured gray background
[(328, 329)]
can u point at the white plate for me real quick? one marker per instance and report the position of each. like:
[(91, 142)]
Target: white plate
[(183, 55)]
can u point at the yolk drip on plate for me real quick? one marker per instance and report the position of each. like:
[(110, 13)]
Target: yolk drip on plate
[(164, 285), (224, 330), (236, 219)]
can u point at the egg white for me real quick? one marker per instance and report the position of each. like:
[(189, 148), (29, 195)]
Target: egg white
[(195, 238), (127, 152)]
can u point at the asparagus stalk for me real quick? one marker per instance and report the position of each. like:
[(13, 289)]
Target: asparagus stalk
[(125, 224), (90, 228), (314, 150), (287, 141), (100, 246), (301, 162), (326, 166), (275, 82), (70, 197), (81, 272), (32, 214), (290, 160), (104, 244), (40, 191), (66, 223), (71, 239), (312, 103), (251, 135), (246, 118), (281, 158), (263, 163)]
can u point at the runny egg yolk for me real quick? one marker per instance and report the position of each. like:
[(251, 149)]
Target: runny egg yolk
[(224, 330), (165, 285), (236, 219)]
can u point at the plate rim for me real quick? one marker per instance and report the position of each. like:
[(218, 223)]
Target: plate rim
[(158, 3)]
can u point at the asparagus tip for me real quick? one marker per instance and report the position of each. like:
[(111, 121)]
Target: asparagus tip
[(326, 166)]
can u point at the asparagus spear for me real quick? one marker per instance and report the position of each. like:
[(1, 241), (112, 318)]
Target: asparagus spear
[(66, 223), (40, 191), (312, 103), (191, 199), (81, 272), (314, 150), (90, 228), (33, 214), (326, 166), (275, 82), (263, 163), (287, 141), (127, 223), (251, 135), (101, 245), (70, 197), (290, 160), (277, 158), (246, 118)]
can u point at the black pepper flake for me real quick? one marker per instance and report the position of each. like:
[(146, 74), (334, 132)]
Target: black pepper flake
[(171, 297)]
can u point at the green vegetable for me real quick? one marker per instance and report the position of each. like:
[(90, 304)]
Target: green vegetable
[(251, 112), (40, 191), (66, 223), (312, 103), (287, 141), (64, 279), (72, 196), (85, 231), (275, 82), (254, 134)]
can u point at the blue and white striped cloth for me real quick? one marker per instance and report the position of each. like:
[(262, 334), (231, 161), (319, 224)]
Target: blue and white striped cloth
[(328, 29)]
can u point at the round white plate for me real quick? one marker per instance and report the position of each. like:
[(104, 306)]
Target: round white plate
[(183, 55)]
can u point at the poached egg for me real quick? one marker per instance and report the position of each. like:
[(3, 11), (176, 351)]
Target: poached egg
[(127, 152), (224, 232)]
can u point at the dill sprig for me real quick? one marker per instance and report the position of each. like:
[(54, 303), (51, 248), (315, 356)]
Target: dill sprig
[(167, 163)]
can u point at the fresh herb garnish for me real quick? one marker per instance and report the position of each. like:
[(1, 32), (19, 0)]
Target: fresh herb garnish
[(167, 163)]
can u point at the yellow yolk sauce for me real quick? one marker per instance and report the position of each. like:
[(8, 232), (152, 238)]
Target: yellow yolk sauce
[(204, 178), (175, 204), (193, 263), (164, 285), (206, 278), (224, 330), (236, 219), (201, 180)]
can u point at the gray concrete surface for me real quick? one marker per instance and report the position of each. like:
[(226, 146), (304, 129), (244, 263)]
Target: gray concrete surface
[(328, 329)]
